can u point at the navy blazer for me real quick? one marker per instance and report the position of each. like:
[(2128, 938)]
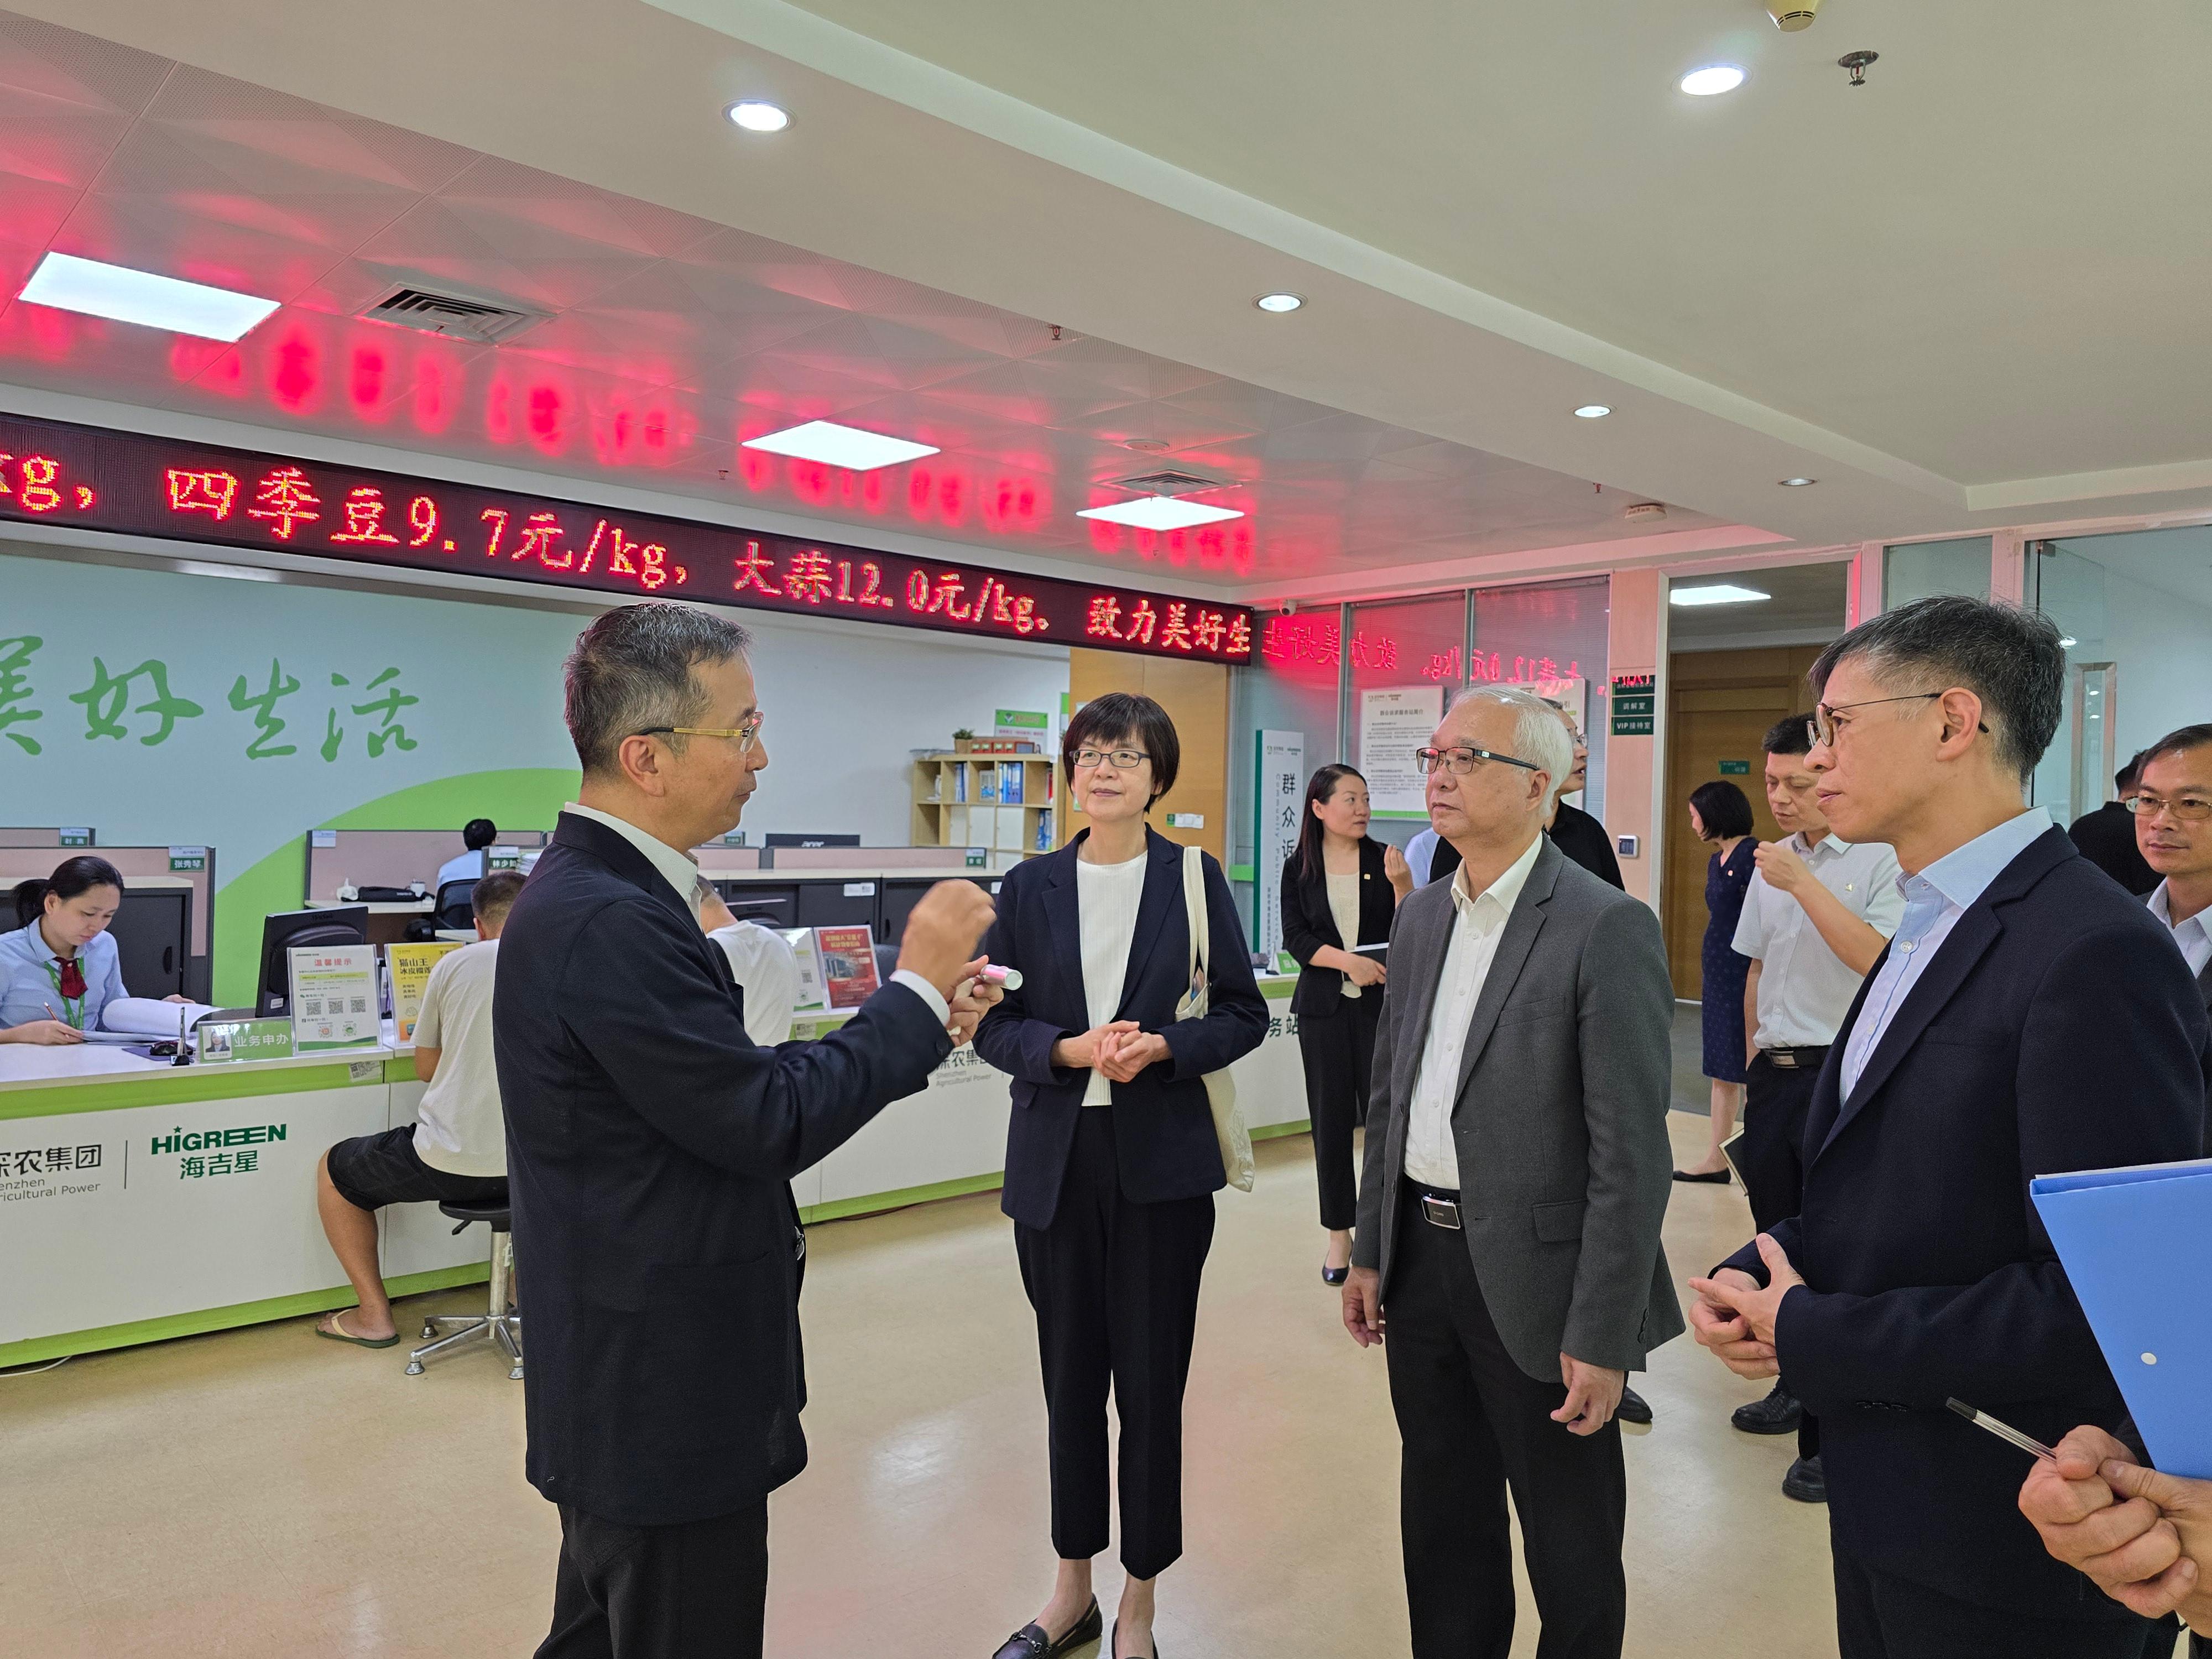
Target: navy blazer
[(2056, 1029), (1309, 925), (650, 1148), (1162, 1124)]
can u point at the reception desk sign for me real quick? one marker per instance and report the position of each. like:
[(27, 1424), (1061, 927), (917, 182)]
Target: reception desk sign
[(92, 478)]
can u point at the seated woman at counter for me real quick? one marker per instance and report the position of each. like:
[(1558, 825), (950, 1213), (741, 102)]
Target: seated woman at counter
[(60, 971), (1112, 1160)]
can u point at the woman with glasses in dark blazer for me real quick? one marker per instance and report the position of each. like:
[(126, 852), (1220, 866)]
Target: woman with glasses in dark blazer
[(1341, 888), (1112, 1161)]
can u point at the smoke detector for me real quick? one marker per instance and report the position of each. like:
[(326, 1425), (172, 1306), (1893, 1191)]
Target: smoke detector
[(1640, 512), (1790, 15), (454, 316), (1145, 445)]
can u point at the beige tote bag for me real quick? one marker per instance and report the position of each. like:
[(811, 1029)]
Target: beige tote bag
[(1220, 1088)]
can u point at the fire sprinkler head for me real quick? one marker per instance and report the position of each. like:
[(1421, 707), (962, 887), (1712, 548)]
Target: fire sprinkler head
[(1856, 63)]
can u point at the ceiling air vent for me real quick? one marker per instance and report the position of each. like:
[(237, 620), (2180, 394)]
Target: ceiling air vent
[(449, 315), (1167, 482)]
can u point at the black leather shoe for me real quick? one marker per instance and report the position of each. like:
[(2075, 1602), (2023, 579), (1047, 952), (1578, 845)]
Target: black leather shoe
[(1335, 1275), (1030, 1642), (1778, 1413), (1112, 1645), (1713, 1177), (1806, 1481), (1633, 1407)]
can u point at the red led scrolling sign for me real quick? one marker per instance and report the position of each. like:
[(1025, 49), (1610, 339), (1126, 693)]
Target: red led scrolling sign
[(52, 472)]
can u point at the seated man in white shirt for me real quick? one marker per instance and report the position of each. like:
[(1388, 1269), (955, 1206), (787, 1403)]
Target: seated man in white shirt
[(455, 1150), (765, 967), (2172, 808), (475, 835)]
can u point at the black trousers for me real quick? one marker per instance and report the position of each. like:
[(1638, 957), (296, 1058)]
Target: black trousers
[(1115, 1284), (695, 1590), (1771, 1156), (1881, 1616), (1473, 1424), (1339, 1052)]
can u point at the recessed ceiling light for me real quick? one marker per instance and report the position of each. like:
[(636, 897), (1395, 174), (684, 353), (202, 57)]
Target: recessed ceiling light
[(1594, 411), (1279, 302), (1717, 593), (2067, 643), (1712, 79), (757, 115), (124, 295), (1797, 484), (1160, 513), (841, 445)]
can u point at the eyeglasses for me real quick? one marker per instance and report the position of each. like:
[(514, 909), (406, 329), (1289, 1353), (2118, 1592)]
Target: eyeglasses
[(1461, 761), (1123, 760), (1823, 726), (745, 734), (2185, 809)]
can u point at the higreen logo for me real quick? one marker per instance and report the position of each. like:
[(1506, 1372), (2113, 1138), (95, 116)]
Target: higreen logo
[(177, 1140)]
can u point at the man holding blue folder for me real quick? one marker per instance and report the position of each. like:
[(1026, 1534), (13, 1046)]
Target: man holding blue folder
[(2029, 1017)]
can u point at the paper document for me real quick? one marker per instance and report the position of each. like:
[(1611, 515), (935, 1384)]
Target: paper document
[(133, 1018), (2137, 1245)]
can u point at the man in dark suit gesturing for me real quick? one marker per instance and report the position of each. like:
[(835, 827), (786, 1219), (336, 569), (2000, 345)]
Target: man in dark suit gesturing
[(651, 1145), (1517, 1170), (2027, 1019)]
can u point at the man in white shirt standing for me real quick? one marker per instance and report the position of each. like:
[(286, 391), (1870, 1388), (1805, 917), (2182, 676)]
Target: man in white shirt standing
[(456, 1149), (1517, 1171), (2172, 807), (1816, 917)]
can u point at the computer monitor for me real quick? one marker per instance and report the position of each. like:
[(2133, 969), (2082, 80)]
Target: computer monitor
[(345, 924), (787, 840)]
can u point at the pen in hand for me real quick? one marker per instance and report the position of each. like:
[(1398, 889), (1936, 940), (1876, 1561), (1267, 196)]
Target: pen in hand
[(2002, 1430)]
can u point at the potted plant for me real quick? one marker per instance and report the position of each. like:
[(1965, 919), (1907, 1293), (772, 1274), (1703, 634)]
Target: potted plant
[(962, 740)]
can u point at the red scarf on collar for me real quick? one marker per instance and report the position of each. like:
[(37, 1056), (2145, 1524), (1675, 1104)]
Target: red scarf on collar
[(72, 981)]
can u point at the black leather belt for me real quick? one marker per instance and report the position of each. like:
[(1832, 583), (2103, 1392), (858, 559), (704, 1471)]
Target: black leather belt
[(1797, 1060), (1439, 1206)]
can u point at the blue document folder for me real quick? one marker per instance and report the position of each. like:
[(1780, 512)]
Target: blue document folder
[(2137, 1246)]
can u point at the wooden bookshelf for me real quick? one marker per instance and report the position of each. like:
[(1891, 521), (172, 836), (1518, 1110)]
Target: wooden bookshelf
[(957, 802)]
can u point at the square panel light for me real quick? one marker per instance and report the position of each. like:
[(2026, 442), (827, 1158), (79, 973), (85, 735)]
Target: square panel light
[(1160, 513), (841, 445), (124, 295), (1715, 593)]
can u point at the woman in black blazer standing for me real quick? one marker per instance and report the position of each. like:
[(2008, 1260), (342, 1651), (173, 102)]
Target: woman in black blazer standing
[(1340, 881), (1112, 1161)]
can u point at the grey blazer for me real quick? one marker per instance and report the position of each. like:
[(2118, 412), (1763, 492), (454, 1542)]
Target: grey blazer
[(1560, 1121)]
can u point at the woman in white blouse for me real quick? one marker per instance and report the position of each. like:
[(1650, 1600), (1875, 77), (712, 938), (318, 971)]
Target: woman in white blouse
[(1341, 888), (1111, 1157)]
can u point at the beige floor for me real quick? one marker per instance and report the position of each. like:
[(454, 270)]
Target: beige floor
[(257, 1492)]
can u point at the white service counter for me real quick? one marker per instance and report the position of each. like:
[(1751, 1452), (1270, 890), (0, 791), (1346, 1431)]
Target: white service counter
[(140, 1201)]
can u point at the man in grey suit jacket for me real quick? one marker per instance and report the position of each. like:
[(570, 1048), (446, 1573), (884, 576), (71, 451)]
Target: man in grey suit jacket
[(1517, 1171)]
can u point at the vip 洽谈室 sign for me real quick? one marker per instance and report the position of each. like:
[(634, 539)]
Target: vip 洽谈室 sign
[(92, 478)]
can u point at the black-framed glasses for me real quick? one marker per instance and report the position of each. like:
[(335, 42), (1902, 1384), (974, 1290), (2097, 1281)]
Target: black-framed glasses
[(1461, 761), (1822, 727), (1121, 760), (745, 731), (2185, 809)]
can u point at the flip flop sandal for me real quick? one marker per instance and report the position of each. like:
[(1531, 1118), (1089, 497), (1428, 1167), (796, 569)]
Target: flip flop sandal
[(336, 1332)]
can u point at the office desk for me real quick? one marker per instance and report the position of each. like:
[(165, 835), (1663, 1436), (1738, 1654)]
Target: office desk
[(146, 1244), (157, 1239), (387, 923)]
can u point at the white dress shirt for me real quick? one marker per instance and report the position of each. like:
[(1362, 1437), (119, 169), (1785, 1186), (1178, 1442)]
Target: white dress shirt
[(465, 867), (1805, 988), (1107, 899), (1420, 852), (1934, 901), (1478, 920), (766, 968), (2192, 935), (681, 871)]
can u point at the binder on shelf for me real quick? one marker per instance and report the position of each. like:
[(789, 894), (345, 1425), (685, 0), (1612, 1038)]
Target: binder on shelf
[(2137, 1244), (1009, 783)]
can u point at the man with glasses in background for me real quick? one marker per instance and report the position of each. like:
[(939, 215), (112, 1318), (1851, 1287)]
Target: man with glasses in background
[(1516, 1174), (2028, 1017), (651, 1145), (2172, 808)]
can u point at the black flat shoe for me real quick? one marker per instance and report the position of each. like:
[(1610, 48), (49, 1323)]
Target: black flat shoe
[(1633, 1407), (1335, 1275), (1806, 1481), (1778, 1413), (1116, 1641), (1031, 1642), (1713, 1177)]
